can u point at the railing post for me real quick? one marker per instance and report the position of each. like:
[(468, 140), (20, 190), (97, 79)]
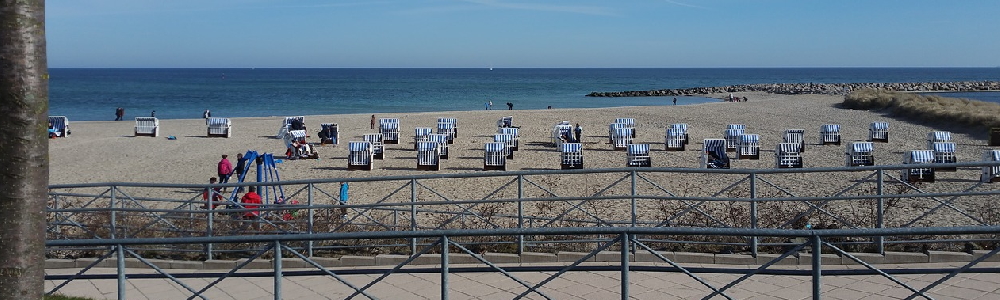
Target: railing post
[(520, 212), (309, 203), (625, 263), (209, 226), (633, 212), (120, 252), (880, 212), (753, 212), (114, 213), (444, 267), (816, 266), (277, 270), (413, 214)]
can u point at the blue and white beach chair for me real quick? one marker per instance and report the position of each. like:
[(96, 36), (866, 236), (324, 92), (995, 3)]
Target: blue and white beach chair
[(448, 126), (421, 134), (428, 156), (360, 156), (918, 174), (621, 138), (829, 134), (736, 126), (571, 156), (329, 133), (378, 148), (860, 154), (506, 139), (628, 123), (732, 137), (515, 132), (937, 136), (287, 125), (389, 128), (878, 132), (749, 147), (944, 153), (495, 156), (788, 155), (796, 136), (638, 156), (219, 127), (147, 126), (674, 140), (60, 124), (507, 121), (683, 127), (562, 133), (713, 154), (442, 140), (991, 173)]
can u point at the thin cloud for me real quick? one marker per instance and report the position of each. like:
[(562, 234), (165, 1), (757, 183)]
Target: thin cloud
[(684, 4), (587, 10)]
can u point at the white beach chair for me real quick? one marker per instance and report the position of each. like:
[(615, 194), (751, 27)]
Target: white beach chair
[(507, 121), (638, 156), (713, 154), (749, 147), (515, 133), (991, 173), (442, 140), (378, 148), (561, 133), (448, 126), (732, 137), (495, 156), (389, 128), (918, 174), (147, 126), (736, 126), (571, 156), (506, 139), (621, 138), (788, 155), (219, 127), (286, 125), (937, 136), (859, 154), (615, 128), (944, 153), (428, 156), (629, 123), (293, 136), (683, 127), (878, 132), (329, 133), (360, 156), (421, 134), (674, 140), (61, 125), (829, 134), (796, 136)]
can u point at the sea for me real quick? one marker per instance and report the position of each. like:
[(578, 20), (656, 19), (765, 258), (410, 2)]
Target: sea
[(94, 94)]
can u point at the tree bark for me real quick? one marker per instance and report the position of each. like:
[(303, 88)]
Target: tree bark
[(24, 148)]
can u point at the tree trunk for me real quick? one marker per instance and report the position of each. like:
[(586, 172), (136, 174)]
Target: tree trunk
[(24, 148)]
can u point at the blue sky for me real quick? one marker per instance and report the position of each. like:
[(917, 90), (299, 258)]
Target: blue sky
[(522, 33)]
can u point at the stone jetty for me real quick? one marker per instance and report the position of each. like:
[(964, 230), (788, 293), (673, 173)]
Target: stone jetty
[(814, 88)]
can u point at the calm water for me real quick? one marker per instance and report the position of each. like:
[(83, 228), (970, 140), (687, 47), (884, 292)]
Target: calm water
[(93, 94)]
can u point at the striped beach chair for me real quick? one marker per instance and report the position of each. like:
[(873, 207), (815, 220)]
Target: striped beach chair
[(421, 134), (937, 136), (378, 148), (732, 137), (515, 132), (918, 174), (329, 133), (571, 156), (829, 134), (860, 154), (736, 126), (147, 126), (944, 153), (991, 173), (638, 156), (674, 140), (219, 127), (506, 139), (713, 154), (878, 132), (615, 128), (442, 140), (621, 138), (428, 156), (683, 127), (495, 156), (796, 136), (447, 128), (749, 147), (287, 125), (629, 123), (294, 136), (60, 124), (389, 128), (787, 155), (507, 121), (562, 133), (360, 155)]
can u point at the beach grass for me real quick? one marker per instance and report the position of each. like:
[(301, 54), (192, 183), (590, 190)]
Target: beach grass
[(927, 108)]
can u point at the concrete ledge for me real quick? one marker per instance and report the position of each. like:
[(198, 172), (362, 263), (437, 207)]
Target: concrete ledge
[(502, 258), (905, 258), (976, 254), (256, 264), (293, 262), (219, 264), (184, 264), (326, 262), (646, 256), (84, 262), (825, 259), (612, 256), (869, 258), (763, 258), (55, 263), (355, 261), (735, 259), (948, 256), (390, 259), (537, 257), (134, 263), (565, 256), (694, 258)]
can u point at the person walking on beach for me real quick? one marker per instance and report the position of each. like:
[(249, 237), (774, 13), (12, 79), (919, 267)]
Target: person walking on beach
[(153, 114), (579, 132), (373, 121), (510, 106), (119, 114), (225, 169), (675, 100), (207, 114)]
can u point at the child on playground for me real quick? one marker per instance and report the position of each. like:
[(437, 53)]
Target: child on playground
[(213, 193)]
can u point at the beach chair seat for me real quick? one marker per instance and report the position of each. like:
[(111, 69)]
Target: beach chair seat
[(506, 139), (329, 133), (991, 173), (219, 127), (713, 154), (621, 138), (674, 140), (442, 140), (829, 134), (515, 133), (428, 156), (448, 126), (629, 123), (507, 121), (360, 155), (788, 155), (683, 127), (732, 137), (918, 174), (421, 134), (291, 123), (878, 132), (561, 133), (749, 147), (389, 128), (378, 148), (796, 136), (60, 126), (147, 126), (495, 156), (944, 153), (638, 156), (571, 156), (860, 154), (937, 136)]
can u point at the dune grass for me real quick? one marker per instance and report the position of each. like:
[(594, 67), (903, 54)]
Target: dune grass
[(955, 111)]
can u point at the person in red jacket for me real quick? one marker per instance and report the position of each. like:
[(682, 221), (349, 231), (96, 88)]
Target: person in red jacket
[(251, 200)]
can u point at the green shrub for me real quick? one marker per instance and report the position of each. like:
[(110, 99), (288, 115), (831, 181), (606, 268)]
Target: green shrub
[(931, 108)]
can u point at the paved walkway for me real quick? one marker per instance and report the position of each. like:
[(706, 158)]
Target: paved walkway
[(574, 285)]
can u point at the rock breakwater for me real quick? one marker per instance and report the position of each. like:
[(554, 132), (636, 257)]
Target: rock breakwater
[(814, 88)]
